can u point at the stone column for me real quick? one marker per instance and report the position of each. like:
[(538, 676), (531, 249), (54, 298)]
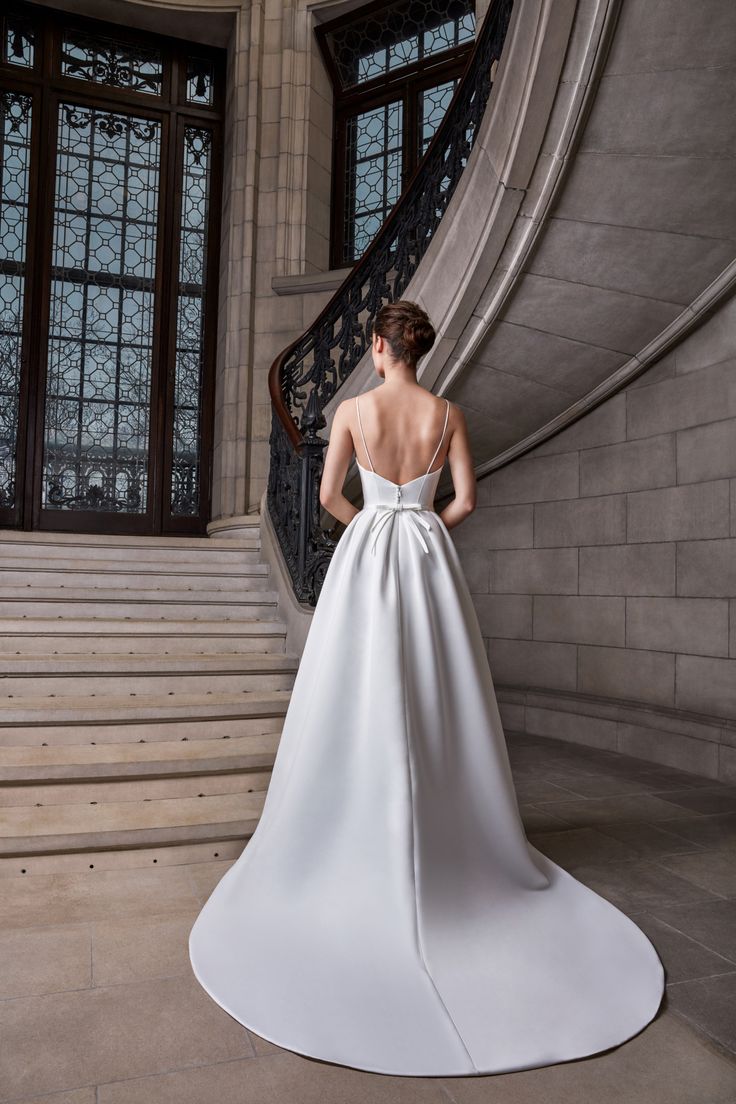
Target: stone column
[(275, 227)]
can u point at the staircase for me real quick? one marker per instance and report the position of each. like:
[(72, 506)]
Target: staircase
[(144, 685)]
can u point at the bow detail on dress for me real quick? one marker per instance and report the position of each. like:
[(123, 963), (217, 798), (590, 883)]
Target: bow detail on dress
[(386, 513)]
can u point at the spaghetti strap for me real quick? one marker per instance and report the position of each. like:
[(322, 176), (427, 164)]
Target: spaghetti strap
[(447, 412), (439, 444), (362, 434)]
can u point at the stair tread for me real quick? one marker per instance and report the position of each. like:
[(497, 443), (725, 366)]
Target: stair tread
[(32, 626), (88, 595), (146, 708), (116, 816), (10, 538), (91, 702), (145, 663), (150, 752), (146, 567), (144, 770), (100, 790)]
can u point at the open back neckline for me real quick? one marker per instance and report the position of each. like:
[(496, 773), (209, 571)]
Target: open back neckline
[(416, 478), (372, 471)]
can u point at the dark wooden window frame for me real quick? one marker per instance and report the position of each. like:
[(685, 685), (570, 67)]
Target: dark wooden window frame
[(47, 87), (405, 84)]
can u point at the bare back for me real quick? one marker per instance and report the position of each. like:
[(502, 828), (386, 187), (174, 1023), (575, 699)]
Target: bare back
[(402, 432), (408, 432)]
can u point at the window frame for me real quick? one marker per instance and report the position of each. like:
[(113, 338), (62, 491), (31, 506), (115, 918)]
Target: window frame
[(48, 87), (405, 84)]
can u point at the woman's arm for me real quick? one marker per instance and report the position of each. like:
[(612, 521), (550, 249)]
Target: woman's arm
[(462, 469), (337, 460)]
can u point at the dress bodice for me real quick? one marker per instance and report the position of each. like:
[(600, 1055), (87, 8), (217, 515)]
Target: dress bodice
[(389, 500), (417, 493)]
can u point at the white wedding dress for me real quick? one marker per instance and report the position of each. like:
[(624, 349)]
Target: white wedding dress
[(389, 912)]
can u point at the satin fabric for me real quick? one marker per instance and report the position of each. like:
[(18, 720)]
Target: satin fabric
[(389, 913)]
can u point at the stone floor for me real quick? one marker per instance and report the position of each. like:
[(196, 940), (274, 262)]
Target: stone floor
[(98, 1004)]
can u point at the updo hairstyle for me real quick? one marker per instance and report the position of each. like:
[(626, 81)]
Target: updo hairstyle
[(406, 328)]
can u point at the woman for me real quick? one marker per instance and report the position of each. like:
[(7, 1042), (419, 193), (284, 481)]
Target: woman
[(389, 912)]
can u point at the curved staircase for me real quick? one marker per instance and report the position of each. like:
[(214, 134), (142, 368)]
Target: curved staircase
[(144, 684)]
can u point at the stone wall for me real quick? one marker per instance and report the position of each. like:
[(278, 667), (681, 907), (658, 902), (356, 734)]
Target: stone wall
[(603, 567)]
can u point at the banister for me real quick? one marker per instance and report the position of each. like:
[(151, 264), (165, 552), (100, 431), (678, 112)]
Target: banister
[(306, 375)]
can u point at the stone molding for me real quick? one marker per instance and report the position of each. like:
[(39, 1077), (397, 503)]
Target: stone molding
[(233, 527), (309, 282), (297, 616), (696, 742)]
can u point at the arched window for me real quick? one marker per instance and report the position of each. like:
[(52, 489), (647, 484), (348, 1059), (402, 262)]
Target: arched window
[(394, 69)]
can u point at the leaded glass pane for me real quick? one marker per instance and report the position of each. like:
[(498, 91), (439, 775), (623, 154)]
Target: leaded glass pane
[(188, 369), (399, 35), (98, 386), (200, 80), (433, 103), (453, 32), (18, 41), (104, 60), (374, 166), (15, 120)]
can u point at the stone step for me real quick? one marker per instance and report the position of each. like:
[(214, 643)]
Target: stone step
[(134, 579), (188, 755), (143, 688), (44, 738), (60, 676), (244, 604), (17, 537), (106, 792), (246, 561), (67, 592), (116, 709), (223, 553), (48, 636), (61, 828), (123, 859), (41, 666)]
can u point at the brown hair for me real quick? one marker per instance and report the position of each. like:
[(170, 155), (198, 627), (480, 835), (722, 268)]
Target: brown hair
[(406, 328)]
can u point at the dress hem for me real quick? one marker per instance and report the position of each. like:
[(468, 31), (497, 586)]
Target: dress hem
[(474, 1072)]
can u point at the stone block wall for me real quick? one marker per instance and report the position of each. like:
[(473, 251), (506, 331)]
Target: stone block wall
[(603, 567)]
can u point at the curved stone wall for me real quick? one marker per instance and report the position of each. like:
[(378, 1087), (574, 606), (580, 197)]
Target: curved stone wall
[(625, 231), (603, 567)]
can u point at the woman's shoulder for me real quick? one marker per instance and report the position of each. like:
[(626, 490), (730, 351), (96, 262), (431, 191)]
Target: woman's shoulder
[(347, 407)]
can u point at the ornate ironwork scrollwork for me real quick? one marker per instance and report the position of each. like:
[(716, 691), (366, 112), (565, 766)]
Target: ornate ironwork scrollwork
[(105, 485), (307, 374), (103, 60)]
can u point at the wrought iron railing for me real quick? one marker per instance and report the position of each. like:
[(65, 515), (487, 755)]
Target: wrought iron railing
[(306, 375)]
